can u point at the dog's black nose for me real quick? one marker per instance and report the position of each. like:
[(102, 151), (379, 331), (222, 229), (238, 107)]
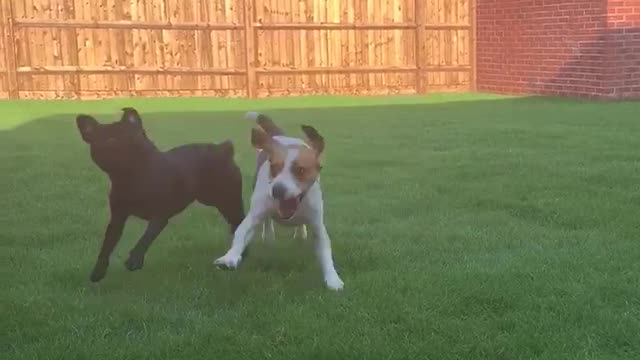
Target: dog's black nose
[(278, 191)]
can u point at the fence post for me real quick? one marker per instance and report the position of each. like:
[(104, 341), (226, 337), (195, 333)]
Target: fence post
[(249, 47), (10, 49), (420, 14)]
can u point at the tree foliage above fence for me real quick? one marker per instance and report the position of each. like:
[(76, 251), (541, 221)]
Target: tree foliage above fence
[(105, 48)]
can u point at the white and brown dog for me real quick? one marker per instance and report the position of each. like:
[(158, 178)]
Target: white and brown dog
[(287, 190)]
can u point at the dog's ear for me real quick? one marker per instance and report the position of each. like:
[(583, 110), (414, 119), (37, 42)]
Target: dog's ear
[(315, 139), (87, 126), (131, 116), (261, 140)]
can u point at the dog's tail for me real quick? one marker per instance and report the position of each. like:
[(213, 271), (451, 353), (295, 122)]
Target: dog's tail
[(264, 122)]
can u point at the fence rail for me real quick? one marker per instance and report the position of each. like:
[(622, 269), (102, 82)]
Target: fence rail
[(253, 48)]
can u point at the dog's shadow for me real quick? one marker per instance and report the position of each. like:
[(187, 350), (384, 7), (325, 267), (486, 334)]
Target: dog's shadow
[(281, 264)]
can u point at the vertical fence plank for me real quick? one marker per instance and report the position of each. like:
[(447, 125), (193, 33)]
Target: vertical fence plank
[(71, 55), (10, 49), (249, 48), (420, 18)]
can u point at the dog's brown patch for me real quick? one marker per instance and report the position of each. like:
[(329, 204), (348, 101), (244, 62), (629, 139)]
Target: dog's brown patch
[(261, 140), (314, 138), (275, 153), (306, 167), (276, 161)]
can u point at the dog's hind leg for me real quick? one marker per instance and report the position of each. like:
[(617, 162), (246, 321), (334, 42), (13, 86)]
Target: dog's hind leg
[(111, 238), (268, 230), (300, 232), (233, 213), (136, 255), (224, 192)]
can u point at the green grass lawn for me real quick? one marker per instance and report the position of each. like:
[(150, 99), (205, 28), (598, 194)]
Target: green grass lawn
[(464, 227)]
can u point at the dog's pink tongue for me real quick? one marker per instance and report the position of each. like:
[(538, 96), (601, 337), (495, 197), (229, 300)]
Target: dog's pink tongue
[(288, 207)]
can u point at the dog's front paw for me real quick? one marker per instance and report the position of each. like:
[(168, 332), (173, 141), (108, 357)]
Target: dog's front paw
[(334, 282), (227, 262), (268, 232), (99, 271), (134, 262)]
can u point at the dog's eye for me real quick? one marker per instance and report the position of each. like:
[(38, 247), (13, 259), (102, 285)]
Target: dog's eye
[(299, 171)]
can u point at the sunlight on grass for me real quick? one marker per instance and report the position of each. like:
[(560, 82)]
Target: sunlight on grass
[(18, 112)]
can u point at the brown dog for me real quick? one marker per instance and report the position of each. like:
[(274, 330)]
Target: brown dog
[(155, 185)]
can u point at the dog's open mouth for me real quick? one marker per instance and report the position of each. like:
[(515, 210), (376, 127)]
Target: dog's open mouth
[(288, 207)]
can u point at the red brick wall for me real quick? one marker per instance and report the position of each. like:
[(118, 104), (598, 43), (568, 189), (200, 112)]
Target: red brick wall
[(583, 48), (623, 52)]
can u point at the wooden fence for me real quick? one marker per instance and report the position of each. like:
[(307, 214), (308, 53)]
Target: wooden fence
[(254, 48)]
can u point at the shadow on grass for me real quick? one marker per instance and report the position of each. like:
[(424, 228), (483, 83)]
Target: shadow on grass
[(386, 167)]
